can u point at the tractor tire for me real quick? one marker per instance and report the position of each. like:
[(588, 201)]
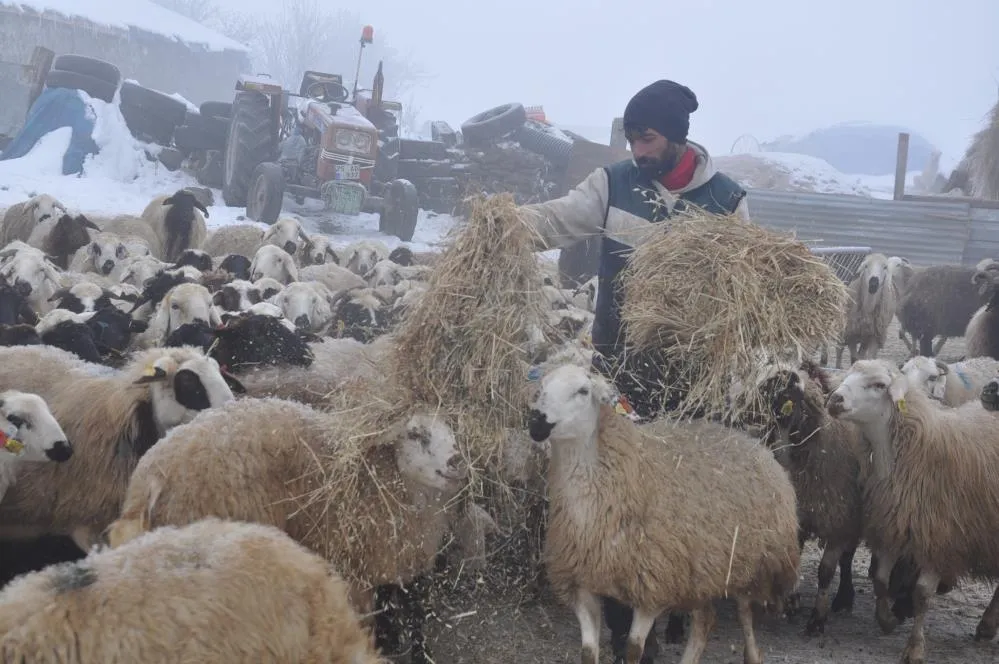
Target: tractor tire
[(97, 88), (251, 141), (413, 149), (208, 124), (147, 125), (210, 173), (81, 64), (189, 139), (217, 109), (400, 211), (488, 126), (540, 142), (153, 101), (266, 193)]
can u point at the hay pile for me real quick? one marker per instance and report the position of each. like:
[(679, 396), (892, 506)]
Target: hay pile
[(707, 297)]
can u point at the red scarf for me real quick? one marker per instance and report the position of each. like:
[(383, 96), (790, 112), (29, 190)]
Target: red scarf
[(683, 173)]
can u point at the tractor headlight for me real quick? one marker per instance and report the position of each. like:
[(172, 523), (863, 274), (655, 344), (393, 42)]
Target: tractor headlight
[(353, 141)]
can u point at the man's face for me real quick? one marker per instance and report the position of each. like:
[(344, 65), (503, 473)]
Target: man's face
[(654, 154)]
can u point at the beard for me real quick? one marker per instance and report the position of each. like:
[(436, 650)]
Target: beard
[(656, 167)]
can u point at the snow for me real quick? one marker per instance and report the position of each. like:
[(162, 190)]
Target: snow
[(790, 172), (140, 14)]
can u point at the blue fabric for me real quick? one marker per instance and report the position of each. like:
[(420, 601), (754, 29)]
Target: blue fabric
[(55, 108)]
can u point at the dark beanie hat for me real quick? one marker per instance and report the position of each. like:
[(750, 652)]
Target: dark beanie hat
[(664, 106)]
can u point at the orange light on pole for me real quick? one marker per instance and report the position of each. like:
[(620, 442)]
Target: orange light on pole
[(367, 34)]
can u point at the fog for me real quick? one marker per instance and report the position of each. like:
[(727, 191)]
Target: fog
[(763, 68)]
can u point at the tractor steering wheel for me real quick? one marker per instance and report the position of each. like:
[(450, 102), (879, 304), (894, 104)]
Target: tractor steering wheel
[(328, 91)]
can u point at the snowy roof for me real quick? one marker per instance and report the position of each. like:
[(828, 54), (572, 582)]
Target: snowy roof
[(139, 14)]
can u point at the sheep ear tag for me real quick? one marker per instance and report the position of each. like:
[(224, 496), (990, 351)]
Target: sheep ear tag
[(786, 409), (12, 445), (902, 408), (622, 407)]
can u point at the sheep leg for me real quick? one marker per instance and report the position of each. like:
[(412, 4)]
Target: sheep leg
[(641, 624), (839, 354), (702, 621), (824, 355), (989, 624), (793, 603), (827, 569), (915, 649), (588, 615), (882, 611), (939, 346), (751, 651), (926, 346), (843, 601), (413, 598)]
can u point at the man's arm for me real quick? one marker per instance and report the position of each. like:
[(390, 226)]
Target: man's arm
[(577, 215)]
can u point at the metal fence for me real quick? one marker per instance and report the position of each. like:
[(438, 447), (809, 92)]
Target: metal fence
[(949, 231)]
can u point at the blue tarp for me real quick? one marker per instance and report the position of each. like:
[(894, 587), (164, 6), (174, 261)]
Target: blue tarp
[(55, 108)]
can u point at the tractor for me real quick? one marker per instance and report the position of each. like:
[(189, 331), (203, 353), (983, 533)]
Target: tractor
[(313, 144)]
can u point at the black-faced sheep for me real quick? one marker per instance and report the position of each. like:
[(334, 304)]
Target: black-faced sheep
[(919, 453), (14, 307), (60, 238), (68, 331), (873, 302), (245, 342), (274, 262), (178, 221), (721, 521), (19, 335), (939, 301), (28, 434), (236, 265), (237, 295), (112, 418), (266, 451), (405, 256), (360, 314), (213, 591), (952, 384), (196, 258), (21, 218), (82, 297), (981, 337)]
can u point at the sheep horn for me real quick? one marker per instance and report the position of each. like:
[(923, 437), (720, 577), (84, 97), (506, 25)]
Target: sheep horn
[(87, 223), (305, 238)]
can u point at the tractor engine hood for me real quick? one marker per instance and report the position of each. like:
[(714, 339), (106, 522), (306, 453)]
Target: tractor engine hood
[(321, 115)]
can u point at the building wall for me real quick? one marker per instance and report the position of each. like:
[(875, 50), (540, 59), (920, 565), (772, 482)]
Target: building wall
[(152, 60)]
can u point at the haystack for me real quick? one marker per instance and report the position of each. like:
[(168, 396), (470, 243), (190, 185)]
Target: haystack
[(712, 295)]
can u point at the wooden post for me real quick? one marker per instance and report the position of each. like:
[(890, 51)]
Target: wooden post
[(617, 139), (901, 165), (41, 63)]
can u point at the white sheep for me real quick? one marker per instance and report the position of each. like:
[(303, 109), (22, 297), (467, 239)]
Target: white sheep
[(178, 220), (268, 287), (287, 233), (932, 495), (308, 304), (274, 262), (334, 277), (673, 517), (317, 251), (111, 418), (359, 257), (585, 295), (213, 591), (874, 300), (183, 304), (137, 269), (389, 273), (21, 218), (82, 297), (31, 274), (240, 239), (28, 434), (952, 384), (104, 253), (237, 295), (137, 234)]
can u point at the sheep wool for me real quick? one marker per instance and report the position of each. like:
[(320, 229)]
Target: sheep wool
[(20, 219), (178, 220), (239, 239), (214, 591)]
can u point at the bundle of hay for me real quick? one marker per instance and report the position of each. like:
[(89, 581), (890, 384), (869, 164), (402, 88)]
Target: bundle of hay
[(714, 294)]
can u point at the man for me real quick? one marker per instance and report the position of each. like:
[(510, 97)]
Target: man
[(623, 203)]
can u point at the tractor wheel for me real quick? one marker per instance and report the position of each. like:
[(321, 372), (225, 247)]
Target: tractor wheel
[(266, 195), (401, 210), (251, 141)]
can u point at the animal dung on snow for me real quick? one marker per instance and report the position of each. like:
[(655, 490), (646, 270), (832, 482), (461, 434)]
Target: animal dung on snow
[(713, 292)]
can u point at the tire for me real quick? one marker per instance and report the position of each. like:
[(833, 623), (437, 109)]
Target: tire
[(410, 168), (163, 105), (190, 138), (217, 109), (210, 175), (401, 210), (147, 125), (542, 143), (89, 67), (170, 158), (251, 141), (208, 124), (95, 87), (266, 195), (412, 149), (487, 126)]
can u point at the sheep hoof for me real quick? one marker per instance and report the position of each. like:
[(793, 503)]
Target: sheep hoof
[(914, 654), (887, 623), (985, 631), (589, 656), (816, 624), (792, 605), (843, 601), (674, 628)]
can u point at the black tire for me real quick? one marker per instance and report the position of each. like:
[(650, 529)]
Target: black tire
[(542, 143), (95, 87), (190, 138), (81, 64), (410, 168), (208, 124), (251, 141), (147, 125), (266, 195), (217, 109), (487, 126), (401, 210), (412, 149), (163, 105), (578, 263), (210, 175)]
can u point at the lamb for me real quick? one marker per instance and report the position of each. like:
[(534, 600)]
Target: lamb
[(195, 258), (266, 451), (112, 418), (981, 337), (285, 233), (28, 434), (333, 276), (919, 453), (680, 552), (952, 384), (317, 251), (874, 299), (82, 297), (359, 257), (274, 262), (60, 238), (308, 304), (940, 301), (186, 303), (239, 239), (178, 221), (32, 275), (237, 295), (245, 342), (20, 219), (191, 594)]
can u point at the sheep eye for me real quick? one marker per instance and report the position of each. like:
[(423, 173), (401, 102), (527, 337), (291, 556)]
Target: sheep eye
[(583, 390), (15, 420), (175, 306), (878, 386)]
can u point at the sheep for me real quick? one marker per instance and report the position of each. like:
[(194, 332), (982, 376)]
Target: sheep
[(207, 602), (236, 265), (317, 251), (874, 300), (266, 451), (32, 275), (939, 301), (237, 295), (359, 257), (63, 329), (112, 418), (584, 296), (139, 236), (332, 276), (268, 287), (60, 238), (285, 233), (20, 219), (406, 257), (360, 314), (103, 254), (20, 334), (186, 303), (178, 221), (672, 517), (239, 239), (981, 336), (247, 341), (137, 270), (14, 307), (952, 384), (919, 453), (308, 304), (387, 273), (274, 262), (82, 297), (28, 434), (195, 258), (273, 311)]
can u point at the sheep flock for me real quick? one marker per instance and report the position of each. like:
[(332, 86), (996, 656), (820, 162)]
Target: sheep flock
[(167, 394)]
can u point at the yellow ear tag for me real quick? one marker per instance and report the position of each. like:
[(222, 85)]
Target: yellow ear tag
[(12, 445), (786, 409), (902, 408), (340, 326), (150, 371)]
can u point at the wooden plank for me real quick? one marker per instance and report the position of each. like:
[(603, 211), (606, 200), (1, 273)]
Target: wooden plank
[(901, 165)]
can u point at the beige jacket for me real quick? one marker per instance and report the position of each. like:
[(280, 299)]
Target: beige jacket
[(580, 213)]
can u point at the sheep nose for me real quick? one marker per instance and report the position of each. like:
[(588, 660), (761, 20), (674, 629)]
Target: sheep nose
[(990, 395), (835, 404), (455, 462), (22, 287), (302, 321), (107, 266), (319, 259), (538, 426), (60, 451), (290, 247), (872, 285)]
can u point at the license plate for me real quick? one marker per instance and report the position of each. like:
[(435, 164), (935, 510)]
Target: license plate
[(346, 200), (346, 172)]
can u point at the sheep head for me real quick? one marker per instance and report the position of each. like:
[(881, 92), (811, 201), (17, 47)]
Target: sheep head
[(402, 256), (106, 251), (237, 295), (268, 287), (384, 273), (138, 270), (14, 307), (874, 272), (195, 258), (306, 304), (67, 236), (928, 374), (236, 265), (427, 454), (186, 303), (285, 233), (81, 297), (44, 207), (274, 262), (990, 395), (318, 251), (362, 256), (32, 275), (871, 391), (568, 404), (29, 431), (986, 277)]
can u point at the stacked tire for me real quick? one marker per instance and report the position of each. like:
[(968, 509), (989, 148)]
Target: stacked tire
[(151, 115), (97, 78), (207, 129)]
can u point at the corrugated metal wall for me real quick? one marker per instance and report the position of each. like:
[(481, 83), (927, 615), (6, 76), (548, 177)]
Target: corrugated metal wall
[(951, 231)]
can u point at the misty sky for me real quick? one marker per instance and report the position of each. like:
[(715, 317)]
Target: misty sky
[(762, 67)]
